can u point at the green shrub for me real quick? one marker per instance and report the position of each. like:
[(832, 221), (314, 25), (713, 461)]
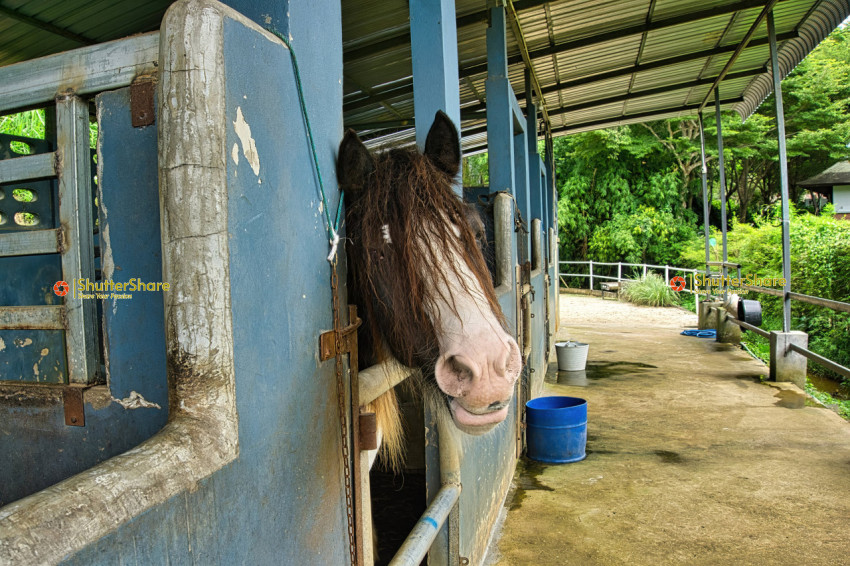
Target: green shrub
[(652, 291)]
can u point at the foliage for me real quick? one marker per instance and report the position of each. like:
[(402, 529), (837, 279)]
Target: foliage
[(645, 235), (476, 170), (820, 248), (31, 124), (841, 406), (604, 177), (652, 291)]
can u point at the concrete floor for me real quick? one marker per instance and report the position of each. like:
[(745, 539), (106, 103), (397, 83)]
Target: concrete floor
[(691, 458)]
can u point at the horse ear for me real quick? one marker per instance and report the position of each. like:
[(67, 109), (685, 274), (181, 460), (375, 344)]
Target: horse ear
[(353, 163), (442, 146)]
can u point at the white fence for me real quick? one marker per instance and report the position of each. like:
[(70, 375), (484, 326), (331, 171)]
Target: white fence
[(667, 270)]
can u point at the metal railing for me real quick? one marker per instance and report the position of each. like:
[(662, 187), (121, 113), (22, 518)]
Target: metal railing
[(645, 267), (667, 269)]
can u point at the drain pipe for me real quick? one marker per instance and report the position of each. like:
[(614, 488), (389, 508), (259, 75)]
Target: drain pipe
[(443, 507)]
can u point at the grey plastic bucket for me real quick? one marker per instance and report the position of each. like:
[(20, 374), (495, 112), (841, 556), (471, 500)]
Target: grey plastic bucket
[(572, 356)]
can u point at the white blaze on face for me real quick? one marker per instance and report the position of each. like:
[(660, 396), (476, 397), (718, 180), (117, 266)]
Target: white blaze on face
[(479, 362)]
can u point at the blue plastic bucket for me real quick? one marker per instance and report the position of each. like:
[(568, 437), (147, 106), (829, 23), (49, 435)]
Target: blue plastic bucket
[(556, 429)]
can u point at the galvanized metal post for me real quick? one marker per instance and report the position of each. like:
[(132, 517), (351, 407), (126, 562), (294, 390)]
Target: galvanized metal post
[(721, 167), (591, 275), (783, 174), (666, 274), (706, 206), (619, 271)]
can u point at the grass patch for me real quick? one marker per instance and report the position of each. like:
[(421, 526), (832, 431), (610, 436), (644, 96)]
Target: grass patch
[(652, 291), (842, 407)]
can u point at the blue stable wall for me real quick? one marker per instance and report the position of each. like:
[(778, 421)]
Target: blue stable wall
[(281, 501), (38, 449)]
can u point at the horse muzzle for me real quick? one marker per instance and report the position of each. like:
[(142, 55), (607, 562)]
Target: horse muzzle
[(475, 422)]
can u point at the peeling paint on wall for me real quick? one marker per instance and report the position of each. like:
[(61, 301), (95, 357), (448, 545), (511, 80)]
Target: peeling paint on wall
[(136, 401), (249, 147)]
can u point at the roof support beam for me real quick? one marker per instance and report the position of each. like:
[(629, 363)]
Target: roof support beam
[(471, 113), (45, 26), (619, 34), (643, 116), (513, 20), (402, 37), (741, 46), (404, 89)]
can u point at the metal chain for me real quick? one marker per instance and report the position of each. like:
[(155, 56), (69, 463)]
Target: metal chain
[(343, 416)]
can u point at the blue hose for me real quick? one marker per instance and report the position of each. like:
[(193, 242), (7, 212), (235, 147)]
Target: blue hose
[(701, 333)]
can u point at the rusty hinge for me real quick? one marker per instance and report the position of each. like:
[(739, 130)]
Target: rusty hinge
[(368, 431), (348, 338), (141, 102), (75, 407)]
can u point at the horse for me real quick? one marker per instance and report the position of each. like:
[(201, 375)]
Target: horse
[(416, 270)]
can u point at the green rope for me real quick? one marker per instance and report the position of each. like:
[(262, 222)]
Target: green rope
[(333, 227)]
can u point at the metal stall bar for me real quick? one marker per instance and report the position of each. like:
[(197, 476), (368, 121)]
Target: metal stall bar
[(32, 242), (825, 362), (75, 214), (29, 167), (705, 204), (721, 171), (783, 173), (417, 543)]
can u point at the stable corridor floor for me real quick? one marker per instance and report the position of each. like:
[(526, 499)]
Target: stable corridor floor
[(691, 457)]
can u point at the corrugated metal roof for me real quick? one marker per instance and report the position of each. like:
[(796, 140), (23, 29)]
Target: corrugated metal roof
[(609, 62), (598, 62)]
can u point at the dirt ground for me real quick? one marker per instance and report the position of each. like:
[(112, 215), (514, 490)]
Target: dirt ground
[(691, 457)]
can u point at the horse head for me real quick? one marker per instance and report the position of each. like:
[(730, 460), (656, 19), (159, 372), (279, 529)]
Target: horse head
[(419, 274)]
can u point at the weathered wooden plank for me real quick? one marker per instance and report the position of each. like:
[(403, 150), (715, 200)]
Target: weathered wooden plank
[(29, 167), (49, 317), (31, 242), (104, 66)]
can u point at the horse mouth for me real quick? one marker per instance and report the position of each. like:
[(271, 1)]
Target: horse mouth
[(476, 423)]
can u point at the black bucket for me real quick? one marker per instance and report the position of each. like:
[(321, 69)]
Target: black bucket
[(749, 312)]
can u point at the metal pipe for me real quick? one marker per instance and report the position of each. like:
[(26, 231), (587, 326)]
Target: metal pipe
[(417, 543), (825, 362), (783, 173), (828, 303), (748, 326), (705, 204), (721, 168), (380, 378)]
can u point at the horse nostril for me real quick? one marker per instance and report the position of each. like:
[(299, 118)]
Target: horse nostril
[(460, 370)]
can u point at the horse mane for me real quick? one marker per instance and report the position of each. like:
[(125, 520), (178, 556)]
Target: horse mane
[(411, 202)]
